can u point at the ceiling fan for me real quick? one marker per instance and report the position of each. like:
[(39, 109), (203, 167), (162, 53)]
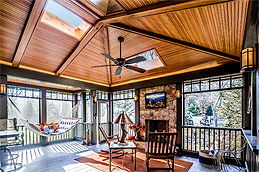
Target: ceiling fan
[(121, 62)]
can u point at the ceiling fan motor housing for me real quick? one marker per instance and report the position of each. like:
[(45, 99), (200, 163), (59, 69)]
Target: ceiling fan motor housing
[(120, 39)]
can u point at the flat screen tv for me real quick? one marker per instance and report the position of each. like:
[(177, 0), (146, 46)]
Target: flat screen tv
[(155, 100)]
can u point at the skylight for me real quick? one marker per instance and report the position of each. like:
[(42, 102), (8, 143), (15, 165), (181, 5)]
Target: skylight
[(152, 61), (64, 20), (63, 13)]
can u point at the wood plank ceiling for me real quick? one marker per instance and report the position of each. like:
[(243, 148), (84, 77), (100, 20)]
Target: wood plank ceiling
[(212, 35)]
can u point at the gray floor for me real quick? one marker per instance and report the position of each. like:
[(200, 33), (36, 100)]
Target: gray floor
[(60, 157)]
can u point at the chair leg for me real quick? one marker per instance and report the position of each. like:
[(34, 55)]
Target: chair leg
[(147, 165)]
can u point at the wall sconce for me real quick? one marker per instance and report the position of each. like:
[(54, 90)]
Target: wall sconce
[(248, 62), (136, 98), (178, 94), (95, 99), (3, 89)]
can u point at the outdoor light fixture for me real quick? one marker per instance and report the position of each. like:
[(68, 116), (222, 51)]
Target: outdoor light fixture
[(123, 119), (178, 94), (248, 61), (95, 99), (136, 98), (3, 89)]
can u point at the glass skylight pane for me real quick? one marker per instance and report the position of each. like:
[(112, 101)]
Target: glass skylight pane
[(152, 61), (63, 13)]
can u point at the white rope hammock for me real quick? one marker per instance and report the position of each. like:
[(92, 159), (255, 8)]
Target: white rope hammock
[(65, 125)]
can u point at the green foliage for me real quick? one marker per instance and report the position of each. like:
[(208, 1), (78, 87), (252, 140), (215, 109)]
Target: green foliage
[(193, 109), (231, 108), (128, 106), (205, 121), (209, 111)]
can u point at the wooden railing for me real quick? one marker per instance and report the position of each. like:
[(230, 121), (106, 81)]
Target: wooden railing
[(28, 136), (211, 138)]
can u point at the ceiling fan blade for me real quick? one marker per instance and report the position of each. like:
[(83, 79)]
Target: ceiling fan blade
[(137, 69), (109, 57), (102, 66), (118, 71), (135, 60)]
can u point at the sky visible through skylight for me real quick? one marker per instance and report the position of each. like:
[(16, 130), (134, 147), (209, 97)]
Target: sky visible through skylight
[(63, 13)]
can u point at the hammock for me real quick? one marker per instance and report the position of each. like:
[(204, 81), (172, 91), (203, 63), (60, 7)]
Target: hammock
[(65, 125)]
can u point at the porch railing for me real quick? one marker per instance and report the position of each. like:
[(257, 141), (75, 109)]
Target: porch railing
[(207, 138), (28, 136), (117, 130)]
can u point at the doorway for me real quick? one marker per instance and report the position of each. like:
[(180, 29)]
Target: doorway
[(103, 119)]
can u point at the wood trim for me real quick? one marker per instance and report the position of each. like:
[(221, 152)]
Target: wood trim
[(86, 8), (174, 41), (93, 7), (9, 70), (80, 47), (107, 51), (120, 5), (34, 18), (158, 8)]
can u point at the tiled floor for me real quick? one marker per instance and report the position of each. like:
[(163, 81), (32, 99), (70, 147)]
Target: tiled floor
[(61, 158)]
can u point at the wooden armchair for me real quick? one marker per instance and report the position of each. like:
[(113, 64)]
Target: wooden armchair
[(161, 146), (109, 139)]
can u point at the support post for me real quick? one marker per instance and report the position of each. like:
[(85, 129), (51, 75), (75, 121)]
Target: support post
[(110, 114), (137, 108), (75, 101), (180, 117), (253, 103), (94, 135), (43, 113), (83, 112), (246, 117), (3, 99)]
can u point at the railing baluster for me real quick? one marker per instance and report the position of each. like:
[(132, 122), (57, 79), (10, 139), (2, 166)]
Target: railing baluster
[(195, 138), (187, 138), (209, 140), (200, 139), (235, 143), (204, 140), (214, 138), (219, 139), (191, 139)]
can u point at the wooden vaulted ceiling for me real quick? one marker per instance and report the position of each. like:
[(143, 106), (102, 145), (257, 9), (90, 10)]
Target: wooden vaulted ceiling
[(188, 36)]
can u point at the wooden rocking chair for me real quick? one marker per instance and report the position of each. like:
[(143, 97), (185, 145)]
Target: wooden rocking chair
[(161, 146), (109, 140)]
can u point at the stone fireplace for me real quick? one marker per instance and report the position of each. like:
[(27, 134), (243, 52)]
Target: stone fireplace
[(164, 114), (156, 125)]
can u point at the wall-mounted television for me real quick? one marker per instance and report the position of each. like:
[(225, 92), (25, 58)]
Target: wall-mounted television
[(155, 100)]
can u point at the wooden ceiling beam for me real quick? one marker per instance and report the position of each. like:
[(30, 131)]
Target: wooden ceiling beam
[(158, 8), (175, 41), (84, 42), (34, 18), (107, 51)]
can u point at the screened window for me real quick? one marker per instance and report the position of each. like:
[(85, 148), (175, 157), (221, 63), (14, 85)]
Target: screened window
[(218, 104), (124, 101), (59, 105), (26, 100)]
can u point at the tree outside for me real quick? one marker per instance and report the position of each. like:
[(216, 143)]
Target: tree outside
[(215, 108)]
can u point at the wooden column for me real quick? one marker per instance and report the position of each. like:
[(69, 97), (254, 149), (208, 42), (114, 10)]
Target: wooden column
[(137, 108), (253, 104), (110, 114), (43, 113), (246, 123), (75, 100), (3, 99), (83, 113), (94, 136), (179, 109)]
